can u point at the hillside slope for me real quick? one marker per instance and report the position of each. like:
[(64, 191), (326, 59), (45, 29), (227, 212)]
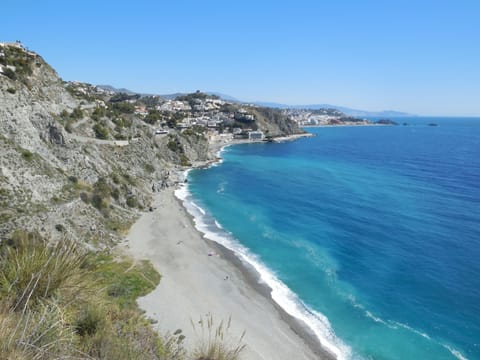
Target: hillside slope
[(82, 161), (61, 182)]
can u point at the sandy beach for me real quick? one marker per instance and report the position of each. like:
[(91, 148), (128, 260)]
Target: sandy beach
[(200, 277)]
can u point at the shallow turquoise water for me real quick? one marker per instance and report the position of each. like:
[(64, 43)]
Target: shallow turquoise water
[(375, 230)]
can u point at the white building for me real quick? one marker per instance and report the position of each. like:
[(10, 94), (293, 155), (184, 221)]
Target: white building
[(256, 135)]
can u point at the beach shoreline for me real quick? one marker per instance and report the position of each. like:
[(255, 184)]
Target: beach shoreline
[(201, 276)]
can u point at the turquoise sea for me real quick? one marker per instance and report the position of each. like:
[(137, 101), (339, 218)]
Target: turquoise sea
[(371, 235)]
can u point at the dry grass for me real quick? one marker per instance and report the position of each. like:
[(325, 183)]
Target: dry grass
[(55, 304), (36, 280), (31, 270), (215, 341), (58, 301), (173, 346), (35, 334)]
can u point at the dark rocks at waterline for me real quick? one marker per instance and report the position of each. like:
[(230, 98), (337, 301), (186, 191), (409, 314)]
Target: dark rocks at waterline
[(385, 122)]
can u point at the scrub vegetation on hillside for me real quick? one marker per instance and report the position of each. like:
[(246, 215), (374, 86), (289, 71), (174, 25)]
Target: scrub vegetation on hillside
[(62, 301)]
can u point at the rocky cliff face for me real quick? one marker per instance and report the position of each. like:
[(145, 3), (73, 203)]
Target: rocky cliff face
[(274, 123), (28, 102), (83, 166), (67, 183)]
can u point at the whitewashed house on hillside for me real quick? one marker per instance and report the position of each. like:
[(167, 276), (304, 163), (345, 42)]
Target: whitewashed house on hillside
[(256, 135)]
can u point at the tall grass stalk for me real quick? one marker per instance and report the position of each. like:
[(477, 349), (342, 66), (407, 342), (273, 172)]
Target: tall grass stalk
[(32, 270), (215, 341), (37, 335), (58, 301), (37, 279)]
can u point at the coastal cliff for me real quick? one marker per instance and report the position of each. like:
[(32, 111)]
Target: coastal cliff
[(85, 160), (79, 165)]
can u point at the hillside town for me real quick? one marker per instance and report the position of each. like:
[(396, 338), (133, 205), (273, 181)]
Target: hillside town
[(199, 112), (207, 114)]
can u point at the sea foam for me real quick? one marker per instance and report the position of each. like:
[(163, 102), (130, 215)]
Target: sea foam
[(280, 293), (400, 240)]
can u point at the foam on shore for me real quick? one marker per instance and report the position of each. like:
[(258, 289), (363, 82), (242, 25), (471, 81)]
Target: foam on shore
[(279, 292)]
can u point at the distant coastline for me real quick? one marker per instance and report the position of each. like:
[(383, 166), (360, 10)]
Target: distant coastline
[(345, 125)]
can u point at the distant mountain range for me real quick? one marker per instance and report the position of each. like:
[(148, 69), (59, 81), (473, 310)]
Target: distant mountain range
[(345, 110), (117, 90), (166, 96), (220, 95)]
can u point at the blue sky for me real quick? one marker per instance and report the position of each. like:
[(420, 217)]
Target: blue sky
[(418, 56)]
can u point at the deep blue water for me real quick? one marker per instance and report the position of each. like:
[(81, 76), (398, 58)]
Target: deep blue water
[(375, 228)]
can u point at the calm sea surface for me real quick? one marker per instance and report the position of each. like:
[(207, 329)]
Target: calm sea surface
[(369, 234)]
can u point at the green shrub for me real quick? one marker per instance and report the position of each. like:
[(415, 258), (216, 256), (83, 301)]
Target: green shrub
[(9, 73), (98, 113), (124, 281), (102, 187), (149, 168), (11, 90), (20, 59), (122, 122), (76, 114), (123, 108), (184, 160), (195, 130), (90, 320), (99, 202), (84, 197), (132, 201), (119, 225), (174, 145), (27, 155), (115, 193), (56, 199), (152, 117), (115, 178), (129, 179), (120, 136), (101, 131)]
